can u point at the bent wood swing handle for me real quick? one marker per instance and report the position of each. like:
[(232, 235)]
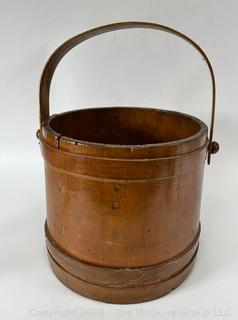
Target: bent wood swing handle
[(71, 43)]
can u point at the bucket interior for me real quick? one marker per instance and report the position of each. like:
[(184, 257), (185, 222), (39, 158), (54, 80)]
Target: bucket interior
[(125, 126)]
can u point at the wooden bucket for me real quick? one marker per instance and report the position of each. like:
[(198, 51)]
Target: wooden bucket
[(123, 189)]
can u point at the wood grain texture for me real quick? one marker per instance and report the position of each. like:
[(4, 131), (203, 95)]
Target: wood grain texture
[(121, 295), (112, 216)]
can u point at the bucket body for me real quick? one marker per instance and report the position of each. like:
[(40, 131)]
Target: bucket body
[(123, 190)]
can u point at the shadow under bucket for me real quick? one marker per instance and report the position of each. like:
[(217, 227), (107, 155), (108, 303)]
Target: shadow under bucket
[(123, 190)]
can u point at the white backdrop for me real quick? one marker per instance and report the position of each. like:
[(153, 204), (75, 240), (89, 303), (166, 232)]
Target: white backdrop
[(135, 67)]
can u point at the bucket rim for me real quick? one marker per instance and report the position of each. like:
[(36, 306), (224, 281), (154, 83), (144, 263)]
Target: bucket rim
[(203, 129)]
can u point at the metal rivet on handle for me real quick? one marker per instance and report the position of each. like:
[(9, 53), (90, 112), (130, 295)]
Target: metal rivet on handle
[(214, 147)]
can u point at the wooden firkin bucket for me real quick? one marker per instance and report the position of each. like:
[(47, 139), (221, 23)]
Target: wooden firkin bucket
[(123, 189)]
